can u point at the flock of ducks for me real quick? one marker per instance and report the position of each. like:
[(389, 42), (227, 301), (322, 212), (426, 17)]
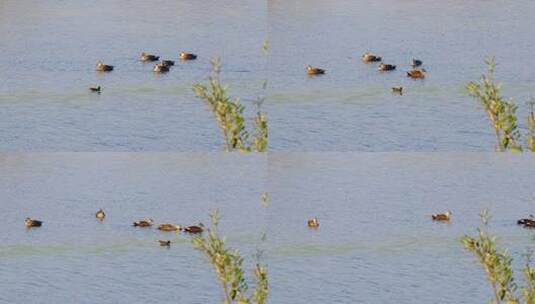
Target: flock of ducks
[(162, 67), (143, 223), (165, 65), (415, 73), (197, 229)]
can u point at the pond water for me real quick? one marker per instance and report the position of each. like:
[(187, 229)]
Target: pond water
[(75, 256), (48, 64), (351, 108), (376, 241)]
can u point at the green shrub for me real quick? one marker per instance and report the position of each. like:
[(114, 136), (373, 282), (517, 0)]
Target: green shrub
[(229, 113), (497, 265), (501, 112), (530, 137), (227, 264)]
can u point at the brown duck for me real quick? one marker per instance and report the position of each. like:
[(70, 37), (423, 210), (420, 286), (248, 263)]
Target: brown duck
[(314, 71), (527, 222), (442, 216), (100, 215), (30, 223), (397, 90), (169, 227), (101, 67), (416, 73), (166, 243), (148, 57), (143, 223), (168, 63), (370, 57), (386, 67), (95, 89), (313, 223), (187, 56), (194, 229), (160, 68)]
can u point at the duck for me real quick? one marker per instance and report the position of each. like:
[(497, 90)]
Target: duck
[(194, 229), (169, 227), (370, 57), (143, 223), (148, 57), (313, 223), (314, 71), (526, 222), (386, 67), (397, 90), (530, 222), (416, 63), (166, 243), (95, 89), (100, 214), (160, 68), (441, 216), (30, 223), (187, 56), (416, 73), (101, 67), (168, 63)]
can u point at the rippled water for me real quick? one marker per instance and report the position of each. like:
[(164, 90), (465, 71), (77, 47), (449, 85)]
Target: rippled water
[(376, 241), (74, 255), (352, 108), (48, 63)]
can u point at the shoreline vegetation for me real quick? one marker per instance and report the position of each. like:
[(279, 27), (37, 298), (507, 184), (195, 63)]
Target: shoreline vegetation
[(229, 113), (228, 265), (497, 264), (502, 112)]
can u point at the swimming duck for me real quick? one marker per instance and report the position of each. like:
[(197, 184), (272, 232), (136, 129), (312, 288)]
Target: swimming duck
[(416, 73), (526, 222), (386, 67), (143, 223), (441, 216), (95, 89), (169, 227), (416, 63), (313, 223), (397, 90), (529, 222), (314, 71), (370, 57), (168, 63), (165, 243), (100, 214), (148, 57), (32, 223), (194, 229), (160, 68), (187, 56), (101, 67)]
